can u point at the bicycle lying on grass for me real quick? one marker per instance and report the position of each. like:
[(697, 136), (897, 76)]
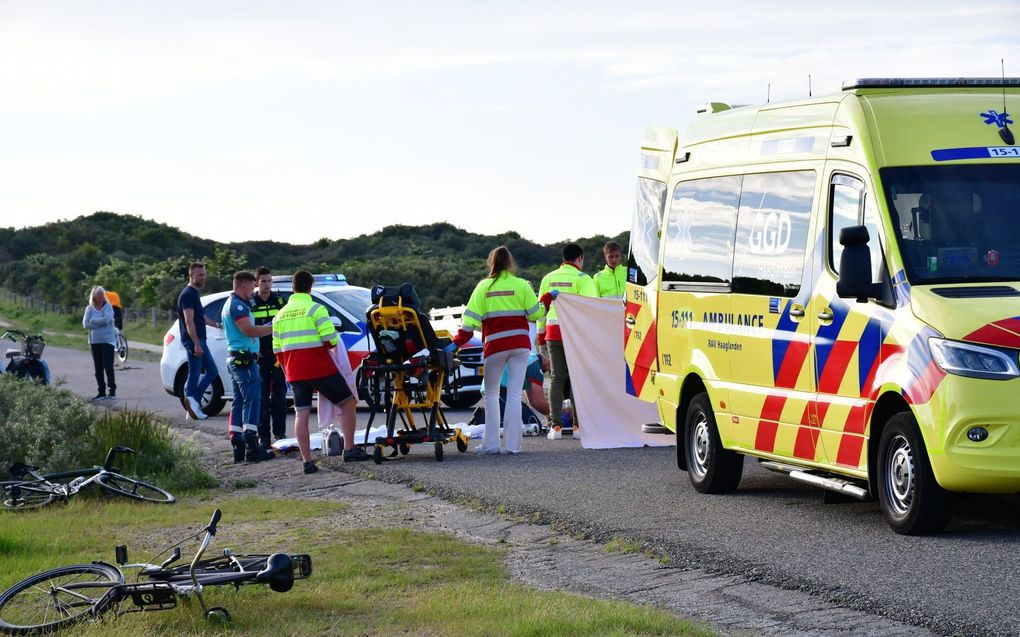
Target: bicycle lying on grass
[(70, 594), (31, 490)]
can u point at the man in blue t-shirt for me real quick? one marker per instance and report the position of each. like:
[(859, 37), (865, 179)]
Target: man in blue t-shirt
[(243, 363), (192, 321)]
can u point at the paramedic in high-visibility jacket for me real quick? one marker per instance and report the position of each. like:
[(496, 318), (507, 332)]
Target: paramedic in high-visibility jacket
[(611, 281), (569, 278), (303, 335), (502, 305)]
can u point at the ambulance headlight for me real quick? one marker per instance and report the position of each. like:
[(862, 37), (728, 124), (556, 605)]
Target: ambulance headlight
[(974, 361)]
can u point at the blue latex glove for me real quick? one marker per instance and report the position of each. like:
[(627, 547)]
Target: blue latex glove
[(554, 294), (451, 348)]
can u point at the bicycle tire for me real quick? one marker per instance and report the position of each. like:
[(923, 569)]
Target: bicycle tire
[(30, 497), (134, 489), (28, 606)]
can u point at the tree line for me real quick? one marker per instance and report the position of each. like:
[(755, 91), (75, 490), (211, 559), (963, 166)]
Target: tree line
[(147, 262)]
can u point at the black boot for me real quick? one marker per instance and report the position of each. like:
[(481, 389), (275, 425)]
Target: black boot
[(238, 444), (253, 451)]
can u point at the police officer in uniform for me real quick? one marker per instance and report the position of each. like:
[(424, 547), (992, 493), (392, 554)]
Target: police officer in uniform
[(242, 361), (265, 305)]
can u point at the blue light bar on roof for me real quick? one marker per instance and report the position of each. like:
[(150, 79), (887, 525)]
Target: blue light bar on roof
[(931, 82)]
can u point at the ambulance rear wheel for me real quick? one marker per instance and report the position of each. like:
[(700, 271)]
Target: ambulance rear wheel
[(912, 500), (711, 468)]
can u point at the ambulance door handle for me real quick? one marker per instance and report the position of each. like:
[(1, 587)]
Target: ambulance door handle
[(797, 311), (630, 320), (825, 315)]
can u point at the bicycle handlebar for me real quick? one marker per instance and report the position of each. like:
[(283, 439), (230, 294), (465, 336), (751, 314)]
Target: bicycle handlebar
[(217, 514)]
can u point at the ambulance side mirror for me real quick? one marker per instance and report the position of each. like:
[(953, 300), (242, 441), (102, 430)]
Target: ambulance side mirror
[(338, 325), (855, 280)]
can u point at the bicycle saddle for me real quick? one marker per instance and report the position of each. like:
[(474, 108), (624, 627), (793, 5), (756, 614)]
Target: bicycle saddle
[(278, 573), (20, 470)]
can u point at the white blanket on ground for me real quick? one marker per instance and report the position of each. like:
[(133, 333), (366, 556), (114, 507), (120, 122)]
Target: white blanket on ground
[(289, 444), (593, 341)]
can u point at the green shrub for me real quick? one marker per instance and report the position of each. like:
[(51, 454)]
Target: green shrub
[(53, 429)]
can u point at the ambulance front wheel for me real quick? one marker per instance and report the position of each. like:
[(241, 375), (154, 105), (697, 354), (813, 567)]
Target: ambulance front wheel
[(912, 501), (711, 468)]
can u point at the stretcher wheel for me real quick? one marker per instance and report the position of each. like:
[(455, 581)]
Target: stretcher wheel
[(377, 454), (439, 451), (404, 449), (461, 444)]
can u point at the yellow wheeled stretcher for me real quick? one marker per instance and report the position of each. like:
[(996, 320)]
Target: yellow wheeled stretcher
[(405, 373)]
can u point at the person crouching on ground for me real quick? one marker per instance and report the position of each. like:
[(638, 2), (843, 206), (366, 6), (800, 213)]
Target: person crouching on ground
[(243, 364), (303, 335), (98, 320), (501, 305)]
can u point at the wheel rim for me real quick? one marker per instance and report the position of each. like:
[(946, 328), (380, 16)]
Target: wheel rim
[(26, 498), (134, 488), (63, 597), (699, 443), (899, 478)]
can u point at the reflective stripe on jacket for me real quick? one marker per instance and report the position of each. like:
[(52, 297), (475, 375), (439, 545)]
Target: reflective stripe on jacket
[(264, 312), (568, 279), (302, 336), (502, 308), (611, 283)]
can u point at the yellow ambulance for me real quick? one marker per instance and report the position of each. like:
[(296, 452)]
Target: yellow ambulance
[(832, 286)]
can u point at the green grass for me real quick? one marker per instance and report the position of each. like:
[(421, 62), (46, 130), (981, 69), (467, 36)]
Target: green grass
[(65, 330), (365, 581)]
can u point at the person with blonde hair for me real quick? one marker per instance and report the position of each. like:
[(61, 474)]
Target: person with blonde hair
[(98, 320), (501, 306)]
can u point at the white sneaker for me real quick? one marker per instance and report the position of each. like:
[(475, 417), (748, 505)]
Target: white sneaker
[(554, 434), (484, 451), (195, 409)]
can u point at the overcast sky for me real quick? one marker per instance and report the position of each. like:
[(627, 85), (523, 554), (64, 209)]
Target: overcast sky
[(305, 119)]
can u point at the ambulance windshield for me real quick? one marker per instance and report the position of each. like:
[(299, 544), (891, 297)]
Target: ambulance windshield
[(956, 224)]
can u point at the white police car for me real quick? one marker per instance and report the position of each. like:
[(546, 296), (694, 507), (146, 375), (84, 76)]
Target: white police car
[(346, 304), (464, 387)]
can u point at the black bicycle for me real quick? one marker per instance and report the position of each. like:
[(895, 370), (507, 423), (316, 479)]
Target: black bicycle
[(31, 490), (67, 595)]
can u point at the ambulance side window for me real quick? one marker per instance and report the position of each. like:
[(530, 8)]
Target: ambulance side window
[(772, 233), (700, 231), (849, 205), (643, 259)]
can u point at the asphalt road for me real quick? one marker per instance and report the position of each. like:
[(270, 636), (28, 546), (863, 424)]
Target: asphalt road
[(772, 530)]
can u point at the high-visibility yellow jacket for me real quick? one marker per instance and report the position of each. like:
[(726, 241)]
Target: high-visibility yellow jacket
[(568, 279), (611, 282), (264, 311), (501, 308), (302, 336)]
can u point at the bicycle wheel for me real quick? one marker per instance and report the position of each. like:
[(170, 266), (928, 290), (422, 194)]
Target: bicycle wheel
[(122, 348), (136, 489), (55, 598), (20, 497)]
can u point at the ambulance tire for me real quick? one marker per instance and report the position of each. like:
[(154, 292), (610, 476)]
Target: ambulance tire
[(912, 500), (711, 468)]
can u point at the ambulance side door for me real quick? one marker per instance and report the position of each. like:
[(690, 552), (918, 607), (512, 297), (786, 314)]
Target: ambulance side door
[(640, 345), (846, 336), (771, 359)]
